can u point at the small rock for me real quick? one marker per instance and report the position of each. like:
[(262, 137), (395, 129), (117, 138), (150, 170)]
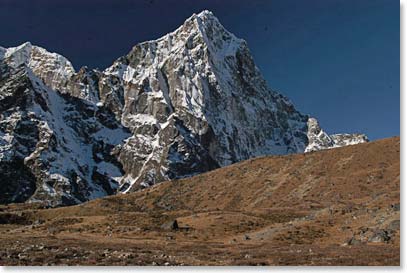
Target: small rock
[(380, 236), (354, 241), (394, 225), (38, 222), (171, 225), (396, 207)]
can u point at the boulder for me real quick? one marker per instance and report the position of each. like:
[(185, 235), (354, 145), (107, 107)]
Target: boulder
[(170, 225)]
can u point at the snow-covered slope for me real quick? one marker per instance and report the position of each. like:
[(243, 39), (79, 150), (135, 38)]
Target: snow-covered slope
[(183, 104), (62, 144)]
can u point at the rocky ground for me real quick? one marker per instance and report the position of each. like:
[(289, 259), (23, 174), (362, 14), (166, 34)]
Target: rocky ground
[(333, 207)]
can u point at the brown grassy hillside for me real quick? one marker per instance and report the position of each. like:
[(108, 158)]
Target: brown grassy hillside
[(333, 207)]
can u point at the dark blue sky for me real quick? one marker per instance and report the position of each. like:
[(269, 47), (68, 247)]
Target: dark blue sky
[(338, 60)]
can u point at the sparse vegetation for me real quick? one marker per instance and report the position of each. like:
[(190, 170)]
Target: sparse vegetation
[(271, 211)]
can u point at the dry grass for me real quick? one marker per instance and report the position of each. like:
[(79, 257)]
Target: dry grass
[(334, 207)]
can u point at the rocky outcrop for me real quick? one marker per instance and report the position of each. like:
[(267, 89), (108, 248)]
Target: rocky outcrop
[(318, 139), (184, 104)]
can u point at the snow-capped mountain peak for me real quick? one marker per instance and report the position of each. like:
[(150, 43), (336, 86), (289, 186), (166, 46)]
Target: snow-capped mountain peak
[(54, 69), (188, 102)]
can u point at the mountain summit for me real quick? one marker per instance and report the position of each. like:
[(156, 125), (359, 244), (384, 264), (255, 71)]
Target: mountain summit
[(186, 103)]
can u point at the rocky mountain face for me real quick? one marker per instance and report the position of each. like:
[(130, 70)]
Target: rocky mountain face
[(320, 140), (184, 104)]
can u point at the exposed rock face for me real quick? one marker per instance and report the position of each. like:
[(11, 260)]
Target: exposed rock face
[(319, 140), (184, 104), (54, 147), (341, 140)]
